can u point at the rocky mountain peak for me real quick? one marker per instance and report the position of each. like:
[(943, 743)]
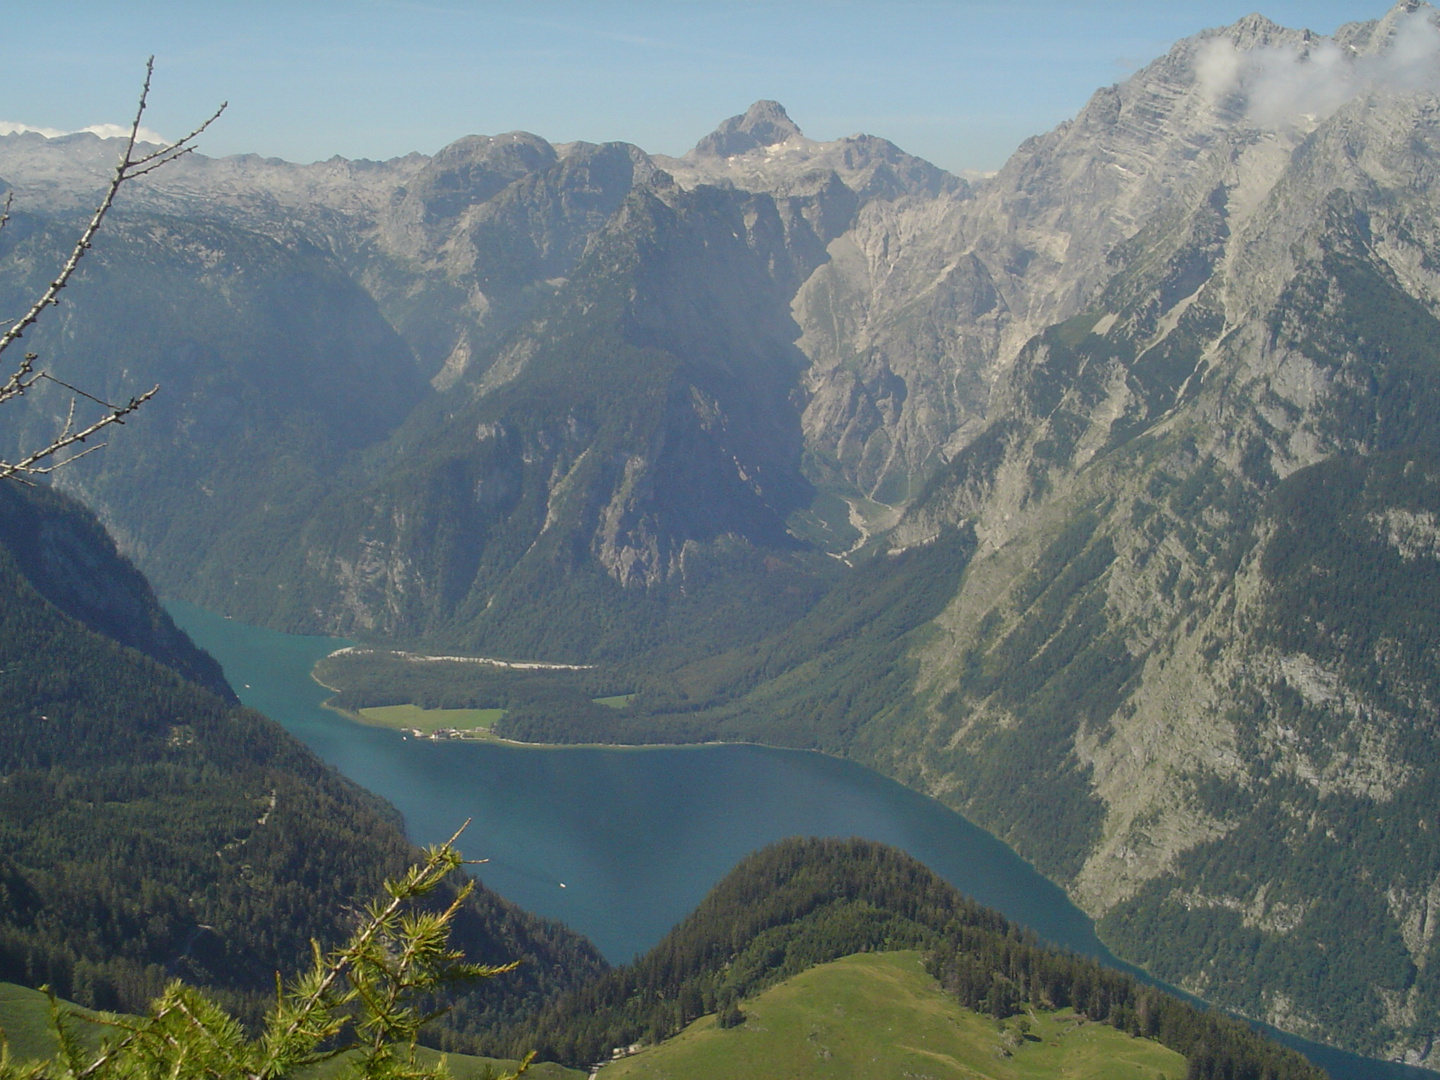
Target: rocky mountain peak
[(1391, 29), (1255, 30), (765, 123), (476, 168)]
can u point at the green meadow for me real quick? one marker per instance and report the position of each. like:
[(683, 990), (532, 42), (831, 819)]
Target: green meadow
[(461, 1067), (429, 721), (25, 1020), (881, 1014), (615, 701)]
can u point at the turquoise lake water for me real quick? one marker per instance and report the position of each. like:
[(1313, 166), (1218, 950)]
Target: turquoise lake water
[(620, 844)]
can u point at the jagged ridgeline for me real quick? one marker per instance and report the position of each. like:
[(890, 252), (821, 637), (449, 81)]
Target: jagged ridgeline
[(1201, 612), (150, 828), (801, 903), (611, 434), (1145, 427)]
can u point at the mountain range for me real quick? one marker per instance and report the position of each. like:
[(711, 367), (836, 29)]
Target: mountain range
[(1099, 499)]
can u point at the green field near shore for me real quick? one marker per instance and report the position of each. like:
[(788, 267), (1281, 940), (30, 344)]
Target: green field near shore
[(429, 721)]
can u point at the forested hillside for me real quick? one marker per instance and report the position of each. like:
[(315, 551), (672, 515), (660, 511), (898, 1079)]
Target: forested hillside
[(800, 903), (151, 828)]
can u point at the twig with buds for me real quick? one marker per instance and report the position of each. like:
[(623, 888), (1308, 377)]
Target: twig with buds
[(132, 164)]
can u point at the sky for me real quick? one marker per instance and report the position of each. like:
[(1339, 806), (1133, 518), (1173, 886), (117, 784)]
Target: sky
[(959, 82)]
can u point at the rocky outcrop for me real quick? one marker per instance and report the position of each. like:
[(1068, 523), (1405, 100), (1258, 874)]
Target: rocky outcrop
[(761, 126), (1184, 673)]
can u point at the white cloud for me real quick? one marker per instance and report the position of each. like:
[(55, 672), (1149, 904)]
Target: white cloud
[(104, 131), (1280, 85), (1219, 67)]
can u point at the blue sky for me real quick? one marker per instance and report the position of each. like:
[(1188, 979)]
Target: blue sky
[(960, 82)]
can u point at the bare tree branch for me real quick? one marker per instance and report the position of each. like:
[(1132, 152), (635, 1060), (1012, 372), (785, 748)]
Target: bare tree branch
[(131, 165), (21, 379), (30, 465)]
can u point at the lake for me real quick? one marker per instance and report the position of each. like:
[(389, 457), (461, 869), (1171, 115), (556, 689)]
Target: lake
[(620, 844)]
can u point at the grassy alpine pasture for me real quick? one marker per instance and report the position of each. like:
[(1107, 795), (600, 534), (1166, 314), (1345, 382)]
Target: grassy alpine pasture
[(429, 721), (25, 1020), (461, 1067), (881, 1014)]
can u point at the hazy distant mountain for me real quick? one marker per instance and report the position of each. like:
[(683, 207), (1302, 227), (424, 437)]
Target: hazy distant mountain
[(485, 259), (1171, 374)]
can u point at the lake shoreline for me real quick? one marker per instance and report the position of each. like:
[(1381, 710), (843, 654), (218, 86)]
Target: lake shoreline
[(357, 719), (621, 841)]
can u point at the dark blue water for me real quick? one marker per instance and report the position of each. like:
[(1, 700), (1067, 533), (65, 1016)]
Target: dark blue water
[(620, 844)]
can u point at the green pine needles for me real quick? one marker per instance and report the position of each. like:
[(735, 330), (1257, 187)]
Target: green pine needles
[(365, 1002)]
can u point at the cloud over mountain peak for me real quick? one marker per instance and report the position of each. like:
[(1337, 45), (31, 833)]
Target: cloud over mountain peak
[(1280, 84)]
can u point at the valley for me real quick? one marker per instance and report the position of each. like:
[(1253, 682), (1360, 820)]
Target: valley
[(638, 835), (1095, 501)]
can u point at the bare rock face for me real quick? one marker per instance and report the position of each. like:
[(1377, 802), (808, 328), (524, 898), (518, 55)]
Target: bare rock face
[(880, 411), (470, 171), (1191, 495), (762, 125), (480, 263)]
